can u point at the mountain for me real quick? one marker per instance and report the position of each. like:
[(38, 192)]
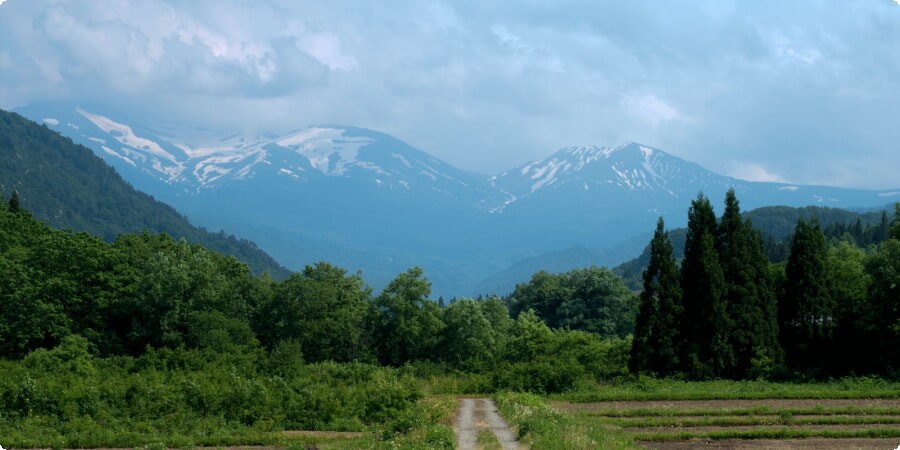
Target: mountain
[(368, 201), (67, 186)]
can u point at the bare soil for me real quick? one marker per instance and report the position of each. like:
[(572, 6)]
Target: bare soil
[(784, 444)]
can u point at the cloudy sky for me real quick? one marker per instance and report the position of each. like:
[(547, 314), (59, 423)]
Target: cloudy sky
[(802, 91)]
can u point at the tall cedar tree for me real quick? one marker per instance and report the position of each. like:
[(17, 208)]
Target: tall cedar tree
[(705, 322), (656, 343), (749, 299), (806, 310), (895, 224), (14, 206)]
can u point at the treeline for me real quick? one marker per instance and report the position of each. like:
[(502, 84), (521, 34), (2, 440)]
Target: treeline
[(777, 224), (148, 291), (727, 311)]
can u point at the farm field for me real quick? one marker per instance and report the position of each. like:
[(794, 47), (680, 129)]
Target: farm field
[(747, 423)]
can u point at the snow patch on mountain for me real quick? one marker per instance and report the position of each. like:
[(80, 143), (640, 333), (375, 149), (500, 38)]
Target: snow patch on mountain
[(328, 150), (125, 135)]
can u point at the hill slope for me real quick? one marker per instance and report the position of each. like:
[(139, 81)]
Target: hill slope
[(67, 186)]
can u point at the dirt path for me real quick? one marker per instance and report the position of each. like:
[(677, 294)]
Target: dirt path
[(476, 414)]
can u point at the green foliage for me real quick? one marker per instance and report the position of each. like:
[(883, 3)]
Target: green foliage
[(470, 340), (895, 224), (657, 340), (806, 311), (14, 206), (406, 325), (848, 284), (882, 317), (749, 300), (592, 299), (706, 324), (73, 399), (324, 310), (543, 361), (540, 426), (647, 389)]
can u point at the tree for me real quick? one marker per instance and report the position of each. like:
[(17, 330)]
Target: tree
[(592, 299), (848, 284), (469, 340), (883, 318), (14, 206), (806, 311), (656, 345), (895, 224), (749, 300), (323, 309), (705, 323), (406, 325), (529, 338)]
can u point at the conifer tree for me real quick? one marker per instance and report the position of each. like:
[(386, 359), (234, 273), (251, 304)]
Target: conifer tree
[(656, 345), (749, 299), (14, 206), (705, 323), (806, 310), (895, 224)]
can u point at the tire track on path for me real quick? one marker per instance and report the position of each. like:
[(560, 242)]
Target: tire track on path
[(476, 414)]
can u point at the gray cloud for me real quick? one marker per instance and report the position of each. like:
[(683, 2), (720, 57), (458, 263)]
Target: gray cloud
[(800, 91)]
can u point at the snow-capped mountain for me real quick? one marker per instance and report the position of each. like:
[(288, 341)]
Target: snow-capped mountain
[(631, 166), (300, 156), (367, 201)]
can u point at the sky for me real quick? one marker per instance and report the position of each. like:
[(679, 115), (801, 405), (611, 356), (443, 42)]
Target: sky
[(806, 91)]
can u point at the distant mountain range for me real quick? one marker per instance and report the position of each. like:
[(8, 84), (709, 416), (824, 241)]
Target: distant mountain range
[(367, 201)]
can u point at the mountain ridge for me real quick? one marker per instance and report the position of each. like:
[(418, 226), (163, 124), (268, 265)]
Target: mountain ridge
[(352, 191)]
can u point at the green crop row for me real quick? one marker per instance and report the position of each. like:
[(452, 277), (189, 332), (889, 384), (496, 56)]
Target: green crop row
[(644, 389), (769, 433)]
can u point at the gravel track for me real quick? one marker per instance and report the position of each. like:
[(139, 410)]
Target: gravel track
[(476, 414)]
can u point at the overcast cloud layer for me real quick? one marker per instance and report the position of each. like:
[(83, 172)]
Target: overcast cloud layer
[(801, 91)]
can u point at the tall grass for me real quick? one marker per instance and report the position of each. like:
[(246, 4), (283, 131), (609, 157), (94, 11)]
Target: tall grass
[(541, 427)]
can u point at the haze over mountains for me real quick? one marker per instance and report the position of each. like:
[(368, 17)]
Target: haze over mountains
[(367, 201)]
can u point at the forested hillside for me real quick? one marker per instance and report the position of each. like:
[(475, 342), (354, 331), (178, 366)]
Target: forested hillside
[(66, 186)]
